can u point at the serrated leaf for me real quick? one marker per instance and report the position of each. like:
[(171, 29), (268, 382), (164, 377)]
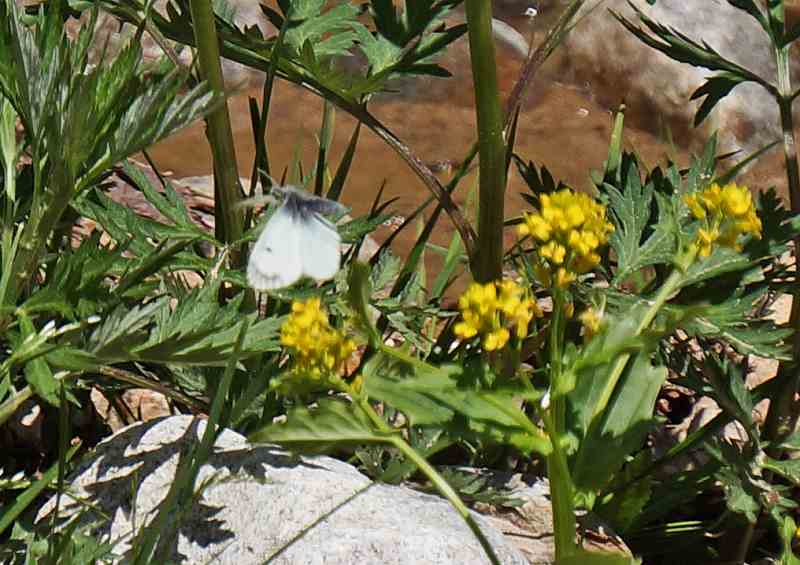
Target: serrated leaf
[(740, 497), (331, 32), (169, 204), (714, 89), (788, 468), (436, 396), (682, 48), (123, 329), (725, 315), (380, 52), (729, 390), (633, 213)]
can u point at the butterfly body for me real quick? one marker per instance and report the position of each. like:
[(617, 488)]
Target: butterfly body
[(297, 242)]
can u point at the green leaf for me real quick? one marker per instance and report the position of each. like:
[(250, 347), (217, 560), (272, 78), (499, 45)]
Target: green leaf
[(714, 89), (431, 396), (358, 294), (331, 423), (588, 372), (723, 314), (169, 204), (792, 442), (788, 532), (380, 51), (636, 243), (332, 32), (623, 427), (682, 48), (623, 507), (37, 371), (729, 390), (743, 494), (391, 381), (789, 468)]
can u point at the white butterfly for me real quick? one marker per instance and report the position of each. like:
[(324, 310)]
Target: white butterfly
[(296, 242)]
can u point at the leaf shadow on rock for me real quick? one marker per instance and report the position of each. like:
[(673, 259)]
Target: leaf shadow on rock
[(102, 488)]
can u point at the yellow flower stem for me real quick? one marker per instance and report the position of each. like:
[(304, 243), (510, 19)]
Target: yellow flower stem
[(561, 489), (562, 493), (669, 287)]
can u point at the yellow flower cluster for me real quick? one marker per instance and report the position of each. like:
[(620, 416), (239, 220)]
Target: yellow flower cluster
[(491, 309), (726, 212), (570, 228), (317, 348)]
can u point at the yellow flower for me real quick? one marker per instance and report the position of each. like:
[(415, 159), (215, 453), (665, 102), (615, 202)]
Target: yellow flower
[(318, 349), (571, 227), (725, 214), (591, 320), (492, 310)]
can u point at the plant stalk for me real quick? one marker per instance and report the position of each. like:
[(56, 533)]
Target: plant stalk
[(561, 488), (783, 411), (487, 261), (669, 287), (782, 416), (227, 192)]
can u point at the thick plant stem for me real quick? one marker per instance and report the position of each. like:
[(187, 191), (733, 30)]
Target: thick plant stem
[(561, 494), (554, 418), (487, 261), (227, 193), (783, 410), (782, 416)]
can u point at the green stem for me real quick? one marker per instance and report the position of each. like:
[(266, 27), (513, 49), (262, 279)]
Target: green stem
[(487, 262), (49, 204), (782, 416), (554, 419), (227, 193), (562, 495), (672, 284), (783, 411)]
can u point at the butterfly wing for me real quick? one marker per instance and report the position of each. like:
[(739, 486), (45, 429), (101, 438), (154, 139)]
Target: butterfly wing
[(319, 246), (276, 259)]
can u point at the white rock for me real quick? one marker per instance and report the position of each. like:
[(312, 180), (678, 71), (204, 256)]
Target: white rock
[(266, 504)]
